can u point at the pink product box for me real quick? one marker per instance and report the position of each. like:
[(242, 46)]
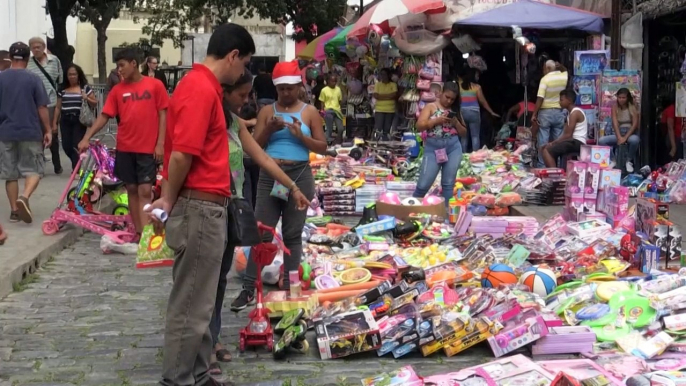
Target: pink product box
[(609, 177), (482, 229), (495, 235), (592, 178), (590, 204), (518, 332), (551, 319), (477, 222), (576, 174), (565, 340), (503, 311), (592, 216), (595, 154)]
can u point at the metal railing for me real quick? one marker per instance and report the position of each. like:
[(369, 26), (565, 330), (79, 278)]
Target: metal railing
[(109, 133)]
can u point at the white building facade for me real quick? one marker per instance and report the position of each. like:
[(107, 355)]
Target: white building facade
[(20, 20)]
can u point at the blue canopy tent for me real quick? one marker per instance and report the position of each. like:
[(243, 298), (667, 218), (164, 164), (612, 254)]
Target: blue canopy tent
[(534, 14)]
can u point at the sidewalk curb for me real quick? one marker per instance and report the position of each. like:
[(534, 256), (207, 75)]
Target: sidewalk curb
[(30, 264)]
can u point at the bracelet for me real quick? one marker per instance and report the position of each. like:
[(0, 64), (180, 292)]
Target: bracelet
[(293, 186)]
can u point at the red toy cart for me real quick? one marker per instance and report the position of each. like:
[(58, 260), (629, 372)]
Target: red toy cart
[(259, 331)]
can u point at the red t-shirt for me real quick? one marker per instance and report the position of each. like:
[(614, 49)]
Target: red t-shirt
[(196, 126), (137, 105), (670, 112)]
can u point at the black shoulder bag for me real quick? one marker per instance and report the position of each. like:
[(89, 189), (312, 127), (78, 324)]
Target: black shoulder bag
[(47, 76), (242, 226)]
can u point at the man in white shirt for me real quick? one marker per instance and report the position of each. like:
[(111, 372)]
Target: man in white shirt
[(573, 135), (49, 70)]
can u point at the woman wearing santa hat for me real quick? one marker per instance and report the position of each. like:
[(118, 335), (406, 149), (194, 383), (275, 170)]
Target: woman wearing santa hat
[(288, 130)]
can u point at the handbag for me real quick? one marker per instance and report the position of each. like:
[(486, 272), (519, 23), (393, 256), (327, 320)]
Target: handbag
[(242, 226), (86, 116)]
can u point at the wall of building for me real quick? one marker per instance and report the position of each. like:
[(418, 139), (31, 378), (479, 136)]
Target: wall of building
[(120, 31), (20, 20)]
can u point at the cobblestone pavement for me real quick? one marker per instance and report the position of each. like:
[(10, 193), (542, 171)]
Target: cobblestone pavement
[(93, 319)]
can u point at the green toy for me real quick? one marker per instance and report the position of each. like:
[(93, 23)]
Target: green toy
[(294, 328)]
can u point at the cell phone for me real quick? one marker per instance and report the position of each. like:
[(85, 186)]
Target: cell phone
[(452, 114)]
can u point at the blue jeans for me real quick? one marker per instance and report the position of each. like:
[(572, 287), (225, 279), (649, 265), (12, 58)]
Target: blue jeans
[(448, 169), (633, 141), (472, 117), (551, 122)]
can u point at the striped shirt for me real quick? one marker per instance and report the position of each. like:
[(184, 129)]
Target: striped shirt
[(72, 101), (468, 98), (54, 68), (550, 87)]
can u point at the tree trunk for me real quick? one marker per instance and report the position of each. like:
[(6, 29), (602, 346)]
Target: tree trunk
[(102, 52), (61, 48)]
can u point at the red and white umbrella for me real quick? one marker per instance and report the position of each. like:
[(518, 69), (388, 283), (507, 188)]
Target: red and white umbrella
[(389, 9)]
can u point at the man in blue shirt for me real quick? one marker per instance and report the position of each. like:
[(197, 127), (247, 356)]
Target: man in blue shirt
[(24, 131)]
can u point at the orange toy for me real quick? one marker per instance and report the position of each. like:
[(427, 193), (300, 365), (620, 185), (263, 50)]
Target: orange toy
[(240, 261)]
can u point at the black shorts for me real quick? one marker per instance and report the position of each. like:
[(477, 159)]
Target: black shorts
[(568, 146), (135, 168)]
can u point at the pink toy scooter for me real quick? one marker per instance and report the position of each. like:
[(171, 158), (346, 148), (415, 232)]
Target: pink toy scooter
[(119, 228)]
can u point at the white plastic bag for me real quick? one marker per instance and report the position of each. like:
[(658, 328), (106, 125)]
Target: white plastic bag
[(107, 245)]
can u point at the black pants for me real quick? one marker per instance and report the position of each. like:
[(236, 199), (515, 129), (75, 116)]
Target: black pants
[(55, 144), (270, 209), (72, 133), (252, 175)]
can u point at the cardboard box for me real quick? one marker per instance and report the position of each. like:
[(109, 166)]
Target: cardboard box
[(386, 224), (403, 212), (609, 177), (347, 334)]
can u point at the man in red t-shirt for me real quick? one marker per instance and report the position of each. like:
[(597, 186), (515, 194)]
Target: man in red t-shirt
[(195, 193), (141, 104), (674, 126)]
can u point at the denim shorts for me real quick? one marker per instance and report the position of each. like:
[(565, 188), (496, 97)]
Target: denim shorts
[(21, 159)]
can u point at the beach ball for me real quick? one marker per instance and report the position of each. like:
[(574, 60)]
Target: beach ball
[(411, 201), (541, 281), (432, 200), (496, 275), (391, 198)]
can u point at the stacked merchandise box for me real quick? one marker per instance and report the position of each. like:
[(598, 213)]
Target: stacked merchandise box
[(367, 195), (404, 189), (502, 225), (551, 188), (338, 201), (588, 70)]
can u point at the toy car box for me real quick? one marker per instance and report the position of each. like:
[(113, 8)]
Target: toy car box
[(526, 328), (347, 334)]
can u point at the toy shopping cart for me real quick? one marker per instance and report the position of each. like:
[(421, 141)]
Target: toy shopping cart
[(259, 331)]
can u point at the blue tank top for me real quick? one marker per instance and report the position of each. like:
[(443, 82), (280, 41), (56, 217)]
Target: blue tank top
[(283, 145)]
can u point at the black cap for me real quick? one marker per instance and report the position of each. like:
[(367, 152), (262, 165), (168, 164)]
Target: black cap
[(20, 51)]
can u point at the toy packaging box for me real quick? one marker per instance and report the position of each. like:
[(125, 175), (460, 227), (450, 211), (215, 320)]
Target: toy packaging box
[(515, 370), (648, 213), (478, 332), (576, 178), (596, 154), (347, 334), (565, 340), (404, 376), (584, 371), (280, 302), (609, 177), (527, 327)]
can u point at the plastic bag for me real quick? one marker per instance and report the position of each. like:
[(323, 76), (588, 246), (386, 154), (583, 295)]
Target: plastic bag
[(272, 272), (487, 200), (107, 245), (508, 199), (153, 251)]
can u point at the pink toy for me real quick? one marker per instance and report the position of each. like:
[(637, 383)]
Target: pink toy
[(576, 178), (432, 200), (391, 198), (596, 154), (518, 332), (118, 228)]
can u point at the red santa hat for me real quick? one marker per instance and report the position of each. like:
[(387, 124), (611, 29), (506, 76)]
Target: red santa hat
[(286, 73)]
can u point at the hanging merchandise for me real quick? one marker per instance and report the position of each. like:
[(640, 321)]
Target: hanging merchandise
[(466, 44), (415, 40), (477, 62), (680, 98)]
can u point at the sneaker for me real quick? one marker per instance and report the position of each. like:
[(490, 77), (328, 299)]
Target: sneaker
[(24, 211), (244, 299), (14, 217), (59, 171), (629, 167)]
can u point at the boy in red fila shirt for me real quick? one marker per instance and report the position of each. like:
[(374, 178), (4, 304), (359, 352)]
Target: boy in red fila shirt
[(141, 104)]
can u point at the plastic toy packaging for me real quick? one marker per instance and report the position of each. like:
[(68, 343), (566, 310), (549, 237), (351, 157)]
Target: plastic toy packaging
[(487, 200), (153, 250), (508, 199), (478, 156)]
